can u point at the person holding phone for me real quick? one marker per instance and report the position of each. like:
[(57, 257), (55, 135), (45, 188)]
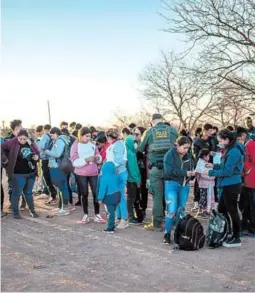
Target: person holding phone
[(178, 171)]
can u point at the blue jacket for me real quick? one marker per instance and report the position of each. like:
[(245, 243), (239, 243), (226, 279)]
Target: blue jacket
[(42, 146), (229, 172), (117, 154), (57, 150), (107, 181)]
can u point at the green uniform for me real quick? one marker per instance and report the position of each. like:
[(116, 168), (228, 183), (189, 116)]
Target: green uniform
[(158, 140)]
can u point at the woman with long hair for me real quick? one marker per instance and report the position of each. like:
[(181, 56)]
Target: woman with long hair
[(229, 179), (85, 157)]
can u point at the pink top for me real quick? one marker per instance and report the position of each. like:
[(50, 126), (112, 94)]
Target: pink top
[(81, 151), (205, 181)]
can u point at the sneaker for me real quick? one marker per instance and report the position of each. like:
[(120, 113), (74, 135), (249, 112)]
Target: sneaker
[(109, 231), (195, 208), (117, 221), (62, 212), (99, 219), (134, 223), (84, 220), (167, 238), (34, 215), (123, 224), (151, 227), (78, 203), (17, 217), (233, 242)]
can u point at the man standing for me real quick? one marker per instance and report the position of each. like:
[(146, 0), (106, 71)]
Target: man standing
[(250, 127), (158, 140)]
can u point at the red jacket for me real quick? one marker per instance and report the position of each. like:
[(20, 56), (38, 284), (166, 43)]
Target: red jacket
[(103, 152), (249, 164), (9, 154)]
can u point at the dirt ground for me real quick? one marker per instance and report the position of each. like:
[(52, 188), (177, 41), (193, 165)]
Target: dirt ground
[(58, 255)]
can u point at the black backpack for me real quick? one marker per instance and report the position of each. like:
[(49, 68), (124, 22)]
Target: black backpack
[(64, 161), (217, 231), (189, 234)]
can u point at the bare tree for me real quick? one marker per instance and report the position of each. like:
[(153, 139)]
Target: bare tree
[(175, 94), (231, 106), (222, 32), (141, 118)]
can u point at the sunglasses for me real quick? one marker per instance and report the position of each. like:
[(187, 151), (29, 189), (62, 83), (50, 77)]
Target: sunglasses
[(137, 134)]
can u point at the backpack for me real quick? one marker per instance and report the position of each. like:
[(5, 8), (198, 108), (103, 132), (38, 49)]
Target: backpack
[(189, 234), (64, 161), (217, 230), (161, 139)]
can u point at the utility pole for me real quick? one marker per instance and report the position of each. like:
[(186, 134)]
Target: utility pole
[(48, 102)]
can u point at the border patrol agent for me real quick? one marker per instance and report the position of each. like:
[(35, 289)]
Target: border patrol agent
[(158, 139)]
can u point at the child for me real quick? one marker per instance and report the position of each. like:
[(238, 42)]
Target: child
[(108, 193), (206, 187)]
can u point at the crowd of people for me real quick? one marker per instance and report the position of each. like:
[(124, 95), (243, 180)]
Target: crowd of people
[(121, 169)]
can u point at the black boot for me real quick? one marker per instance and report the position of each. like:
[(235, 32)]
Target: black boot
[(167, 238)]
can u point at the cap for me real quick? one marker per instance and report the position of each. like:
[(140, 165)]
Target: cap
[(156, 116)]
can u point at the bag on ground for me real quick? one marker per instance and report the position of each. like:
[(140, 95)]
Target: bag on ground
[(217, 230), (189, 234)]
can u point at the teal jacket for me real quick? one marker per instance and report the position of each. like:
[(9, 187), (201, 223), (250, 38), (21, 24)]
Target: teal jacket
[(134, 175), (229, 172), (175, 167)]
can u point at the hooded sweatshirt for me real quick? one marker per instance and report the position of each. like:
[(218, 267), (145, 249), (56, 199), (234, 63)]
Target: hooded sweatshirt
[(80, 152), (230, 170), (134, 175), (107, 183), (249, 164), (57, 150)]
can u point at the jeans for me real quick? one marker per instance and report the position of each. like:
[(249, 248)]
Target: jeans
[(47, 180), (122, 212), (22, 183), (111, 216), (84, 183), (59, 180), (176, 198), (228, 206), (156, 177)]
